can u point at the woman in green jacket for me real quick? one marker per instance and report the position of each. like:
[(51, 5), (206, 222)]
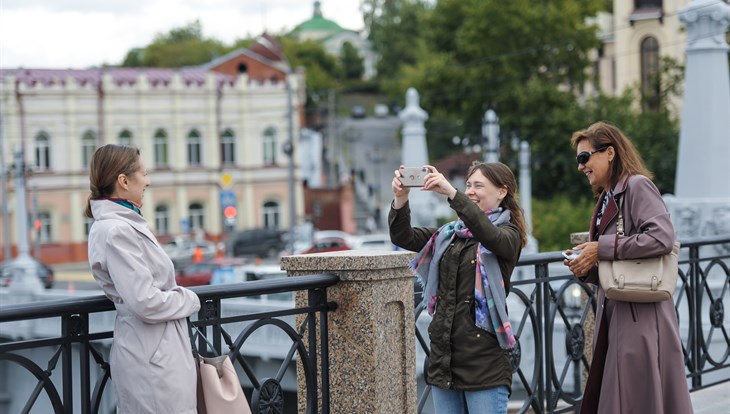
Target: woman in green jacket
[(465, 268)]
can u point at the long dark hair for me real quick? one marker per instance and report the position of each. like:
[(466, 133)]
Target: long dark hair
[(105, 166), (627, 160), (501, 176)]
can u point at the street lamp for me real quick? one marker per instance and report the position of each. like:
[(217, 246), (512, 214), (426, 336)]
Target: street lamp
[(490, 135)]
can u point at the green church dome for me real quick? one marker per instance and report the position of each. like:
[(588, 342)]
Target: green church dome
[(317, 22)]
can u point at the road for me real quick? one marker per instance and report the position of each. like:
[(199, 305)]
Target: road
[(371, 146)]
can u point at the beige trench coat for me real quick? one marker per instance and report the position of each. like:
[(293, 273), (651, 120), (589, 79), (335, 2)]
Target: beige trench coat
[(641, 357), (152, 366)]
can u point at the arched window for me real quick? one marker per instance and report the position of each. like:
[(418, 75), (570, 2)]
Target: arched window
[(88, 145), (228, 147), (194, 150), (162, 219), (125, 138), (271, 215), (650, 82), (42, 149), (160, 144), (269, 146), (196, 216), (44, 232)]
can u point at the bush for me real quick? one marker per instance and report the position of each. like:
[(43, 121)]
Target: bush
[(554, 219)]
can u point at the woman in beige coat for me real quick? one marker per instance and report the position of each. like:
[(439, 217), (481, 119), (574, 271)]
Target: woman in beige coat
[(638, 365), (152, 366)]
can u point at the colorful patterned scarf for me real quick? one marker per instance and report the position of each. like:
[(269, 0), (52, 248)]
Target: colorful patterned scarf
[(490, 303)]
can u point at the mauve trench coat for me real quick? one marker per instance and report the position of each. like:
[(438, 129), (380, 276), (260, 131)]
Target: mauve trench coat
[(152, 366), (644, 366)]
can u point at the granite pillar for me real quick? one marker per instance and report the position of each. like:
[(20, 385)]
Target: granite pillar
[(371, 333)]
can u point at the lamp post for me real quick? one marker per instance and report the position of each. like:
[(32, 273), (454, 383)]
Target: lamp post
[(289, 151), (4, 190), (490, 135)]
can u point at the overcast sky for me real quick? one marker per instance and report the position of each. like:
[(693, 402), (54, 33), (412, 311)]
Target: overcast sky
[(83, 33)]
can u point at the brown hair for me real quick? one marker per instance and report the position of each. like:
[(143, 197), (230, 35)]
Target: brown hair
[(105, 166), (627, 160), (501, 176)]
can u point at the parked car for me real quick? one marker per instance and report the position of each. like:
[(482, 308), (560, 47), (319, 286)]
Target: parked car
[(380, 110), (9, 267), (181, 251), (258, 242), (213, 271), (375, 242), (358, 112), (328, 244), (253, 272)]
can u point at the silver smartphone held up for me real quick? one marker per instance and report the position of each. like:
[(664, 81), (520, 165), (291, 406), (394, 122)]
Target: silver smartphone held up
[(413, 176)]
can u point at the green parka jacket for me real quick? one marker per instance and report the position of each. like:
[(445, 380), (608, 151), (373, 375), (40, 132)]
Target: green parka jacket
[(463, 356)]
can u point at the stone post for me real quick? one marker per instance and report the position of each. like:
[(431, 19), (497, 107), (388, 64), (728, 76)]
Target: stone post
[(415, 154), (371, 333)]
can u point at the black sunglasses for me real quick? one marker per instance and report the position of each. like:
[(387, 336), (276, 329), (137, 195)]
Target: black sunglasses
[(583, 157)]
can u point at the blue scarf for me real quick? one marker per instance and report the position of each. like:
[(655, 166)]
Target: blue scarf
[(490, 303), (126, 203)]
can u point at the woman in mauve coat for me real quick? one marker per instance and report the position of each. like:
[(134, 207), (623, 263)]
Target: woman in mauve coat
[(638, 364), (152, 365)]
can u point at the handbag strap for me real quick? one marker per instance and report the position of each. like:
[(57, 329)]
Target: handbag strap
[(192, 340), (620, 221)]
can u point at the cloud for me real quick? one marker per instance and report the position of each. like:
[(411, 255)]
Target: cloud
[(82, 33)]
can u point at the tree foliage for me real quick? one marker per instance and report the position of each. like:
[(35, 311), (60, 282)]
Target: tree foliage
[(396, 31), (182, 46), (351, 62)]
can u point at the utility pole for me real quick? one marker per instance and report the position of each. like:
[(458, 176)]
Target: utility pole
[(289, 151), (25, 284), (4, 190)]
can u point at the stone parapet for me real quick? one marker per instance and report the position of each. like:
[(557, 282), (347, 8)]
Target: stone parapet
[(371, 333)]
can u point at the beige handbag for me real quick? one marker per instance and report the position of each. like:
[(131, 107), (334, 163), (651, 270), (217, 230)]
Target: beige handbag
[(639, 280), (219, 389)]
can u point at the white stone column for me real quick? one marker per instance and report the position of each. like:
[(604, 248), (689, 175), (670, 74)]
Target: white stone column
[(415, 154), (701, 205)]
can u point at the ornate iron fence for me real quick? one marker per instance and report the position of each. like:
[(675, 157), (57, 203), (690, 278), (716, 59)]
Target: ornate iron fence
[(212, 333), (550, 309)]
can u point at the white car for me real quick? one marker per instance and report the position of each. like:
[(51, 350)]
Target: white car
[(375, 242)]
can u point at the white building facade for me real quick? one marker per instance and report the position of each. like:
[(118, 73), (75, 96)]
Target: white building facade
[(193, 126)]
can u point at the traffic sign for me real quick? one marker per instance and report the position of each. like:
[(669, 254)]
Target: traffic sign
[(228, 198), (226, 180)]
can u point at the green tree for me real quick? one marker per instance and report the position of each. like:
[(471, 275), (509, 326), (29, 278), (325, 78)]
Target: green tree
[(351, 62), (394, 28), (182, 46)]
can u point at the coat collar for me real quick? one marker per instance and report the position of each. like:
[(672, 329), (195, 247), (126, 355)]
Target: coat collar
[(611, 207), (109, 210)]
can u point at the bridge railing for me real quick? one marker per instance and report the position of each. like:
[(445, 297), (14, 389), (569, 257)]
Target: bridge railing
[(552, 314), (79, 346)]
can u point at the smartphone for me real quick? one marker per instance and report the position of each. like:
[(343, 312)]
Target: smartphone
[(413, 176), (572, 255)]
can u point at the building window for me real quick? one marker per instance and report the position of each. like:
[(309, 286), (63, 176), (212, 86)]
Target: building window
[(88, 145), (160, 143), (162, 220), (271, 215), (193, 144), (125, 138), (195, 216), (42, 152), (650, 82), (87, 225), (44, 233), (228, 147), (647, 4), (269, 146)]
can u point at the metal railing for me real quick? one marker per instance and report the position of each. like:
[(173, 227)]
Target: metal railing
[(549, 312), (307, 342)]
